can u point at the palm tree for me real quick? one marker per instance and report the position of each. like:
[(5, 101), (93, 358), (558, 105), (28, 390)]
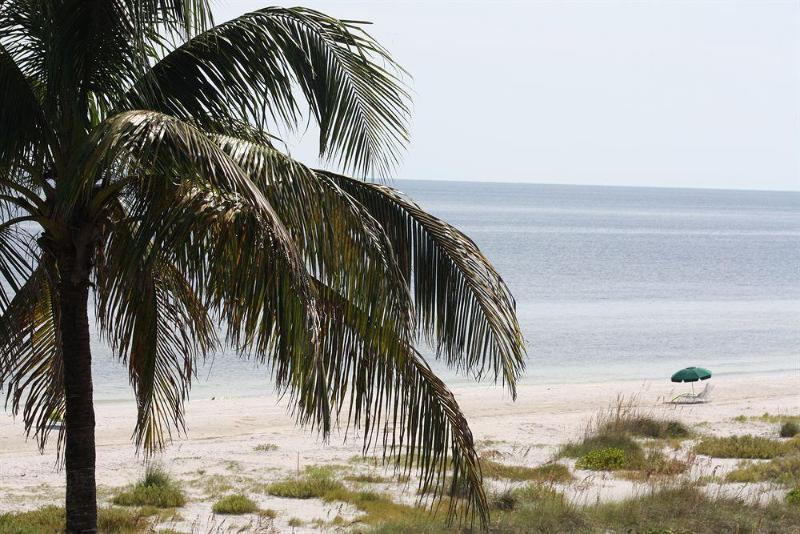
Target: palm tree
[(138, 166)]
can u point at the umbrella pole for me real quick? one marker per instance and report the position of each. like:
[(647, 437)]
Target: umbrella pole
[(692, 383)]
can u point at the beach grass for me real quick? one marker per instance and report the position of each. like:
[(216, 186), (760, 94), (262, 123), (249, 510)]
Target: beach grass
[(156, 489), (551, 472), (781, 470), (683, 509), (235, 504), (53, 519), (745, 446)]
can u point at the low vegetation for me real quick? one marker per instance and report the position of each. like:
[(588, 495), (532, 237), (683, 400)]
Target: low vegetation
[(320, 483), (614, 450), (625, 417), (156, 489), (53, 519), (540, 509), (789, 429), (265, 447), (234, 505), (552, 472), (781, 470), (608, 459), (747, 446), (315, 483), (368, 478)]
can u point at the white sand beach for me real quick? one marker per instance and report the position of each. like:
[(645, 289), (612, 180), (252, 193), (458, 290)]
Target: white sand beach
[(220, 448)]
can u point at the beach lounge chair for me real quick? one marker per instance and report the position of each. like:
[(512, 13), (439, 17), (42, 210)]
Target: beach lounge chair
[(692, 398)]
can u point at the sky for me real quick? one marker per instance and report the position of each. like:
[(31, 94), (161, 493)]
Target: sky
[(646, 93)]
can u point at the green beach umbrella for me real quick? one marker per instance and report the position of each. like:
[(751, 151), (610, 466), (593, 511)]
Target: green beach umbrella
[(691, 374)]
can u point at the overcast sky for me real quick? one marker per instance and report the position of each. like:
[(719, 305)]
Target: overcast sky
[(652, 93)]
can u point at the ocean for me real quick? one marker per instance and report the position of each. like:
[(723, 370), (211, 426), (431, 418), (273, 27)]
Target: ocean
[(611, 283)]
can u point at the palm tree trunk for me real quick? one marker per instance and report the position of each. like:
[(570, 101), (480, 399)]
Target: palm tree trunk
[(79, 452)]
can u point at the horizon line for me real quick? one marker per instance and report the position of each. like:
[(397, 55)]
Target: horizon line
[(691, 188)]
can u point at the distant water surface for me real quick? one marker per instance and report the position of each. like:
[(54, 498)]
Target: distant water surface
[(610, 282)]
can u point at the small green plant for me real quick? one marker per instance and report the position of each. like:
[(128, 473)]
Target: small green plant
[(633, 452), (789, 429), (609, 459), (234, 505), (266, 447), (156, 489), (315, 483), (793, 497), (747, 446), (295, 522)]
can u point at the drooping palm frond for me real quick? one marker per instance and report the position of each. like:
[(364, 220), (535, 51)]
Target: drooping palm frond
[(462, 303), (16, 260), (30, 355), (232, 271), (247, 70), (158, 326), (342, 244), (398, 403)]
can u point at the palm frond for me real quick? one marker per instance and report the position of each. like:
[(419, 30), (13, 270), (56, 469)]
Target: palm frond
[(399, 403), (463, 306), (30, 355), (342, 244), (17, 260), (226, 250), (158, 326), (247, 70)]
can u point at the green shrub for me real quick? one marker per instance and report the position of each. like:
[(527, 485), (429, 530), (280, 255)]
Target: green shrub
[(603, 441), (789, 429), (155, 489), (609, 459), (266, 447), (743, 447), (234, 504), (793, 497)]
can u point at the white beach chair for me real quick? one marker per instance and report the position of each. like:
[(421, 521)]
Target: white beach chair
[(692, 398)]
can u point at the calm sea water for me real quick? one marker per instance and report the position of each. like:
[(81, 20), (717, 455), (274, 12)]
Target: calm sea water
[(610, 282)]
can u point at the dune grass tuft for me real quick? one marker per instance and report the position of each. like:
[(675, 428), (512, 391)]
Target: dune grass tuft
[(552, 472), (235, 504), (157, 489), (747, 446), (789, 429), (315, 483)]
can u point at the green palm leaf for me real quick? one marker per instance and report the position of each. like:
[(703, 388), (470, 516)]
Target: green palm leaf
[(30, 355), (462, 303), (247, 69)]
